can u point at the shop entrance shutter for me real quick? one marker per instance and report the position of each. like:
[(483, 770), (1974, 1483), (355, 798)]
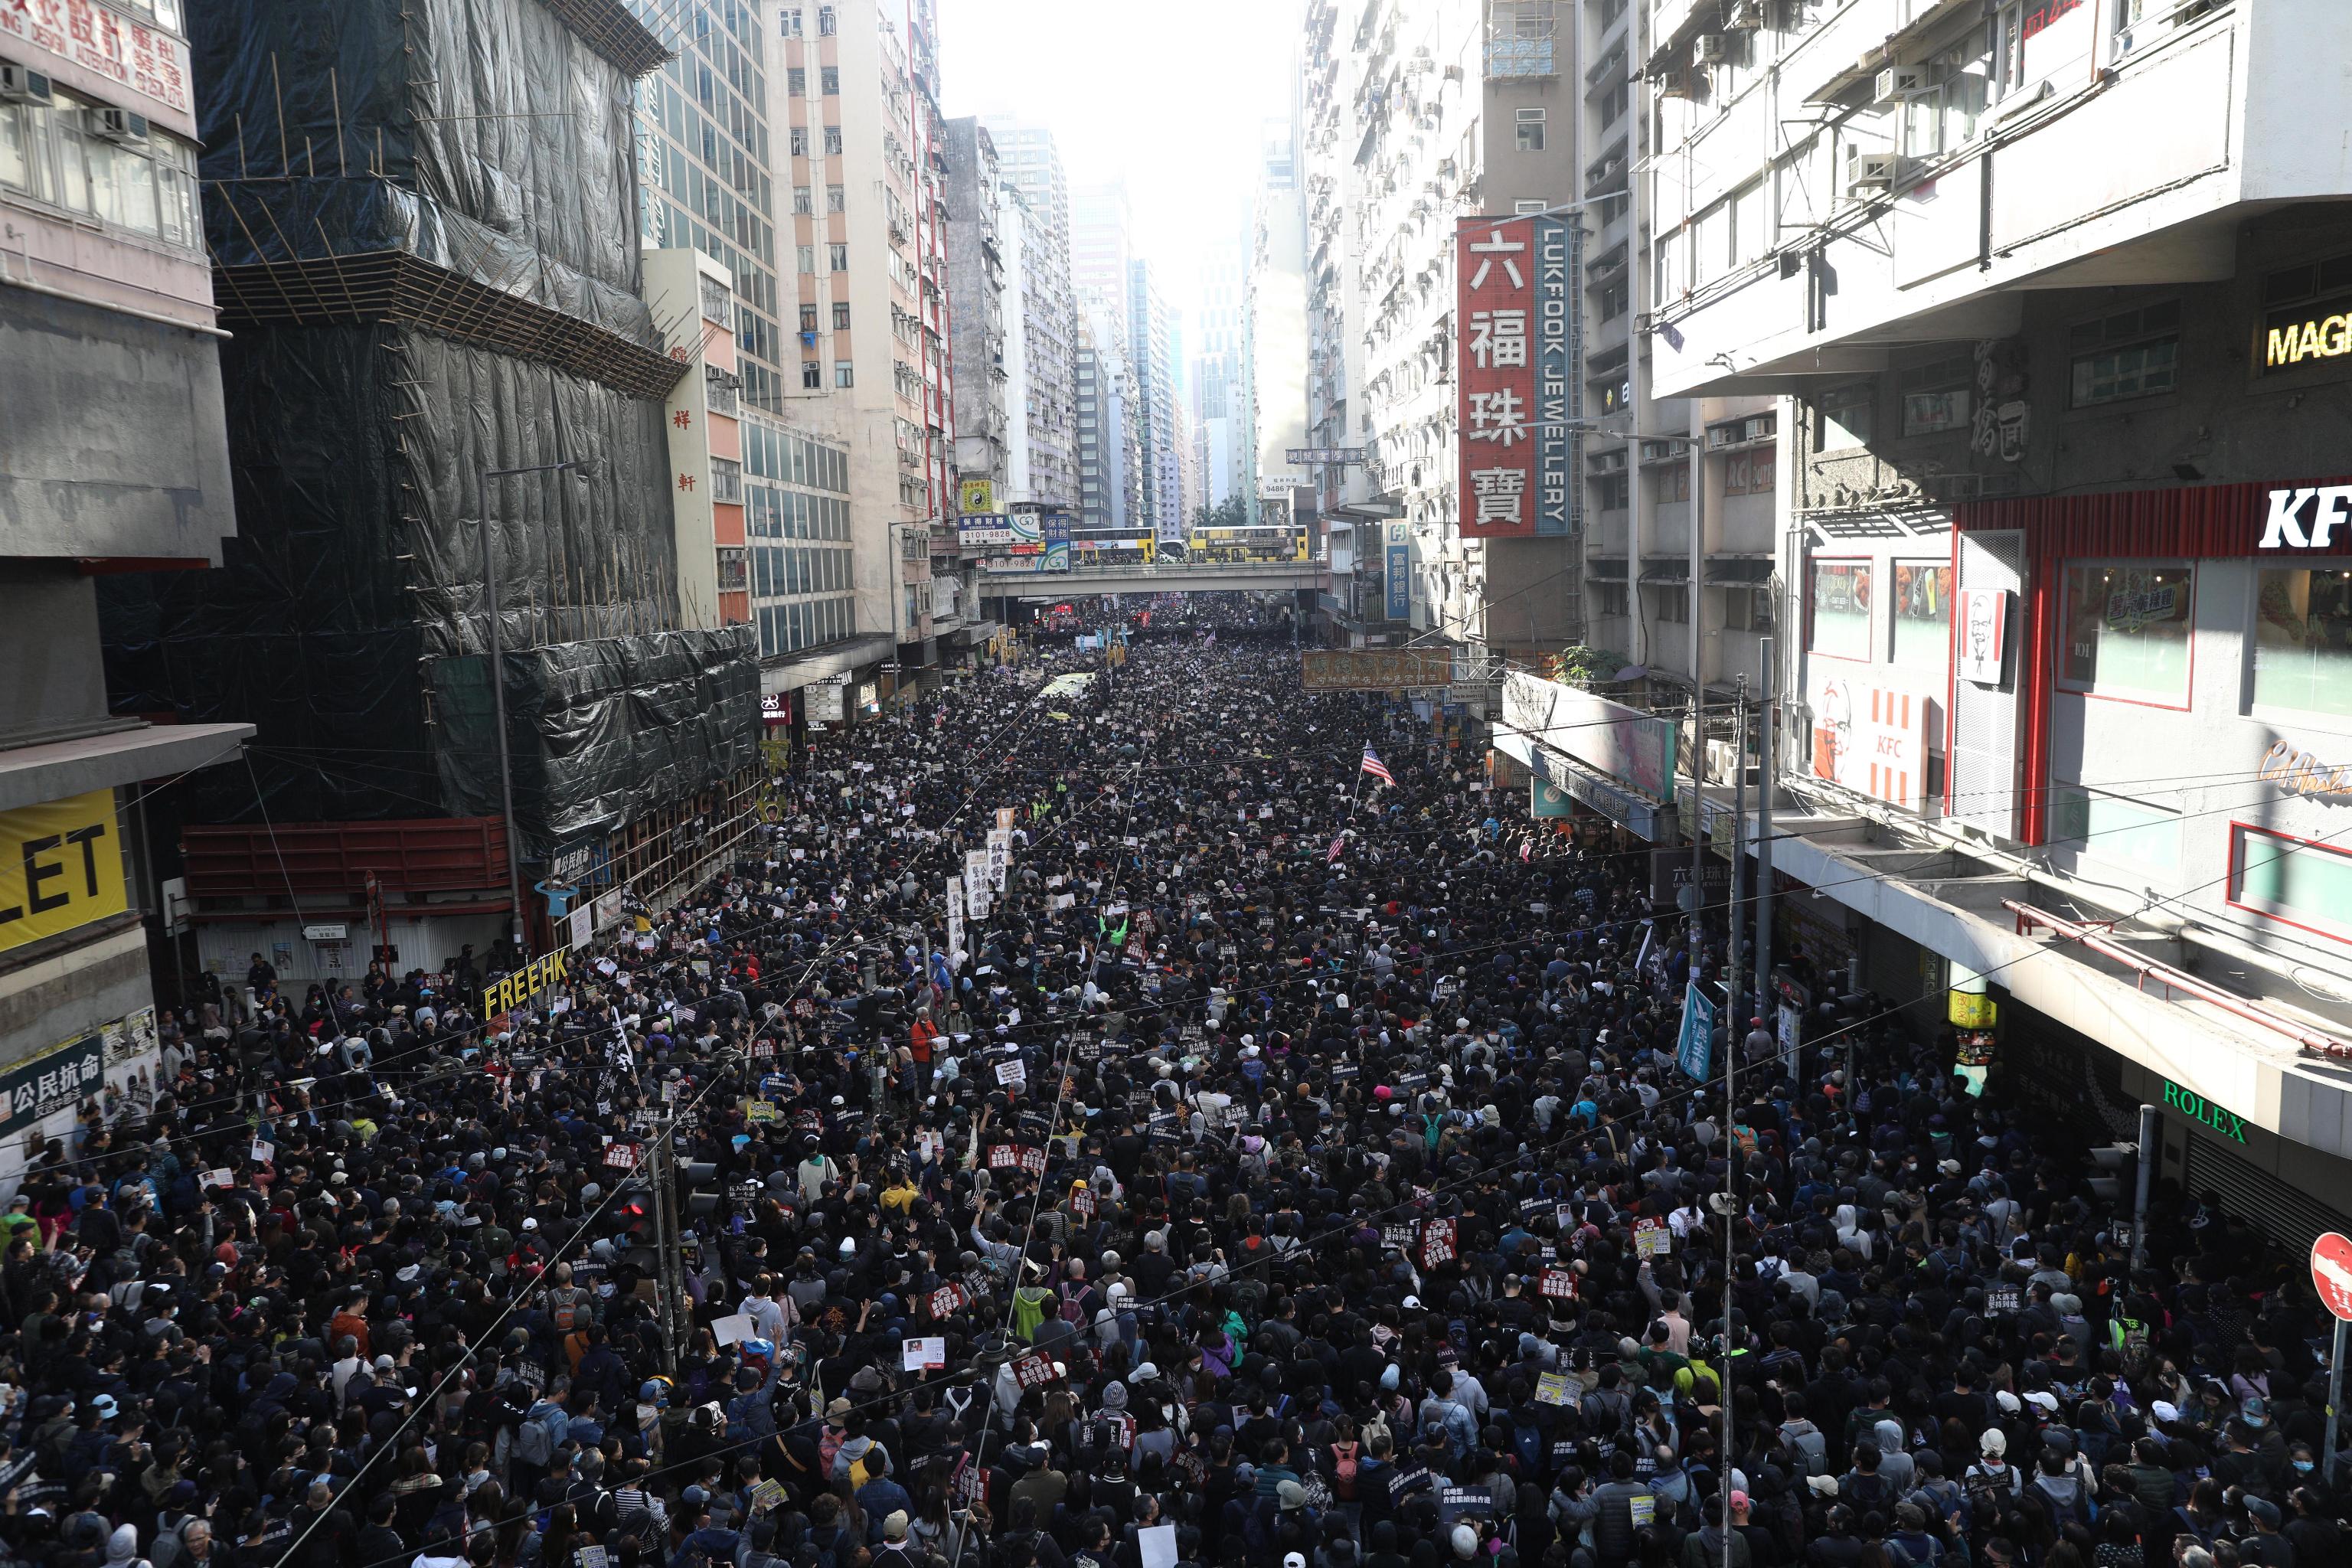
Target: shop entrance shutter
[(2290, 1217)]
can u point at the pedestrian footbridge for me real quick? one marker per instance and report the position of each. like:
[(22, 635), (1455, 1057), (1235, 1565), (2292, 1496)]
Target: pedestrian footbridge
[(1160, 577)]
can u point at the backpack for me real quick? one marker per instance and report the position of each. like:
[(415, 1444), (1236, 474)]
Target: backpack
[(566, 1309), (1527, 1442), (535, 1442), (1343, 1470)]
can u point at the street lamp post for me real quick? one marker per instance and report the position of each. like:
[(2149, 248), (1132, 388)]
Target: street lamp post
[(498, 691)]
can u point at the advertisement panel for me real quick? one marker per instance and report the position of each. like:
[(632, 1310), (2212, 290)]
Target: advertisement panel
[(1629, 745), (1375, 668), (1023, 542), (60, 867), (976, 496), (1517, 387), (1870, 739), (1397, 553)]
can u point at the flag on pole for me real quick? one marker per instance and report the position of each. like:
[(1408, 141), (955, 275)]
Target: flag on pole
[(1339, 843), (1374, 766)]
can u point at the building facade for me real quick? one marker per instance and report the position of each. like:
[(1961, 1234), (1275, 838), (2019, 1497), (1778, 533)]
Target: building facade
[(1110, 451), (703, 416), (864, 160), (1151, 356), (2055, 459), (1040, 346), (113, 456), (706, 159)]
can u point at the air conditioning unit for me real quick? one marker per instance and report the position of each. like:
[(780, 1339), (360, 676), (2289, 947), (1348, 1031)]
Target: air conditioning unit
[(1714, 49), (1897, 83), (22, 84), (118, 125), (1868, 172)]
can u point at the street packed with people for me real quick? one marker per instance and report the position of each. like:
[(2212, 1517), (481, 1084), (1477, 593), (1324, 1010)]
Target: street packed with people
[(1270, 1150)]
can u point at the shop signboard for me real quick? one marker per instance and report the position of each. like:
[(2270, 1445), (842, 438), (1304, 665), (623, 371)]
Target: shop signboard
[(148, 60), (60, 864), (824, 701), (1635, 748), (1375, 668), (1515, 377), (1396, 555), (1983, 648), (56, 1080), (1549, 800)]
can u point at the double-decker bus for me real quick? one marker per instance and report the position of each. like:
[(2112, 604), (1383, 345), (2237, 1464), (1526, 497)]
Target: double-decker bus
[(1123, 550), (1236, 546)]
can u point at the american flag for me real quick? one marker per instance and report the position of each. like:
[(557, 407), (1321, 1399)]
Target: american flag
[(1339, 843), (1377, 768)]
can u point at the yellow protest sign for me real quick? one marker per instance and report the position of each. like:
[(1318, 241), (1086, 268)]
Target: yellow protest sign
[(60, 867), (513, 991)]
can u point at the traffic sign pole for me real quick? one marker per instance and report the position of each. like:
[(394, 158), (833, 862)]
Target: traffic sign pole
[(2331, 1276), (2330, 1463)]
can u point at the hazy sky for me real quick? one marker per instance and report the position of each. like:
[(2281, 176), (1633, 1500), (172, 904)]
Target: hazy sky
[(1168, 95)]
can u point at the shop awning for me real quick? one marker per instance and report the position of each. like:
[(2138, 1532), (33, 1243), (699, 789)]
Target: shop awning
[(59, 770)]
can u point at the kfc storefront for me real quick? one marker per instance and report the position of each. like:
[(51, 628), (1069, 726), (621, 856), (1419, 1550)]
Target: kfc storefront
[(2156, 688)]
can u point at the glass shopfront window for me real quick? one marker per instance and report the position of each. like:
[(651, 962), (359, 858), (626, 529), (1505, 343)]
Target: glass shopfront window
[(2127, 627), (1839, 602), (1923, 612), (2114, 827), (2303, 641)]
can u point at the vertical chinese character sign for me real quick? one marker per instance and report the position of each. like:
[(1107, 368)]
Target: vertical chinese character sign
[(1515, 376)]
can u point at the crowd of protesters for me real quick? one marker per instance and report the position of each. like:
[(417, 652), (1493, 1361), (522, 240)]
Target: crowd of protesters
[(1282, 1160)]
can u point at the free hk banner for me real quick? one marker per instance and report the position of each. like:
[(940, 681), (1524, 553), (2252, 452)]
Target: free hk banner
[(1517, 380)]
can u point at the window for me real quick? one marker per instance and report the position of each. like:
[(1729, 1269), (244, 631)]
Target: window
[(1608, 599), (800, 140), (1531, 130), (825, 22), (2302, 642), (2113, 828), (840, 317), (2127, 631), (1935, 397), (1747, 609), (788, 22), (2305, 883), (803, 201), (796, 82), (1839, 600), (829, 76), (1922, 612), (808, 257), (1750, 473), (808, 317), (833, 141), (1611, 492), (812, 375), (845, 372), (146, 185), (726, 480), (1844, 418), (1674, 604), (2133, 353), (840, 255)]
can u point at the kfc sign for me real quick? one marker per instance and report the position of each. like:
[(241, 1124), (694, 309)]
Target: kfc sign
[(2307, 519)]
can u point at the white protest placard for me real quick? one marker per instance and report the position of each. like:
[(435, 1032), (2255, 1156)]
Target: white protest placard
[(929, 1354), (263, 1152), (1012, 1074), (732, 1329), (222, 1177), (1156, 1543)]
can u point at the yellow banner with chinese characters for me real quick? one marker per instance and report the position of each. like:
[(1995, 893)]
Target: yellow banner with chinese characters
[(60, 867)]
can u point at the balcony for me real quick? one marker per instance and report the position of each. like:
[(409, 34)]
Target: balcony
[(1934, 256)]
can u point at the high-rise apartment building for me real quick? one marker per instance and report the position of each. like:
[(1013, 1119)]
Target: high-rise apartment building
[(113, 452), (1274, 340), (1110, 456), (1034, 224), (976, 285), (1217, 376), (1102, 245), (1151, 356), (862, 159), (707, 155)]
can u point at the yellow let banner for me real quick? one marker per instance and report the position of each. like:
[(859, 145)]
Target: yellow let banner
[(60, 867)]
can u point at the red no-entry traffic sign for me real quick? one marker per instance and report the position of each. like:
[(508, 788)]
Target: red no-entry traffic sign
[(2331, 1272)]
